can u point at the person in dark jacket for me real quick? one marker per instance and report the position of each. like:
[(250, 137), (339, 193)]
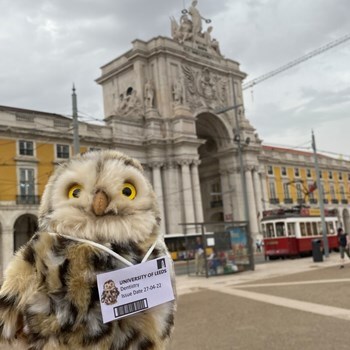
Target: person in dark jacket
[(343, 245)]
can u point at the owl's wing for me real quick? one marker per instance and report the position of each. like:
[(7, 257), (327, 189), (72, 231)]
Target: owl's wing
[(15, 290)]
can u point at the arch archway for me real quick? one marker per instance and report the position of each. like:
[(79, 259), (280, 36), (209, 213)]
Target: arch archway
[(24, 228), (214, 131)]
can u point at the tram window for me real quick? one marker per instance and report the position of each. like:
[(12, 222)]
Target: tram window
[(270, 230), (291, 228), (319, 228), (303, 229), (330, 228), (314, 228), (280, 229), (308, 229), (263, 226)]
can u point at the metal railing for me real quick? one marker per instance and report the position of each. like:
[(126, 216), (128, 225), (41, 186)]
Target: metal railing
[(27, 199)]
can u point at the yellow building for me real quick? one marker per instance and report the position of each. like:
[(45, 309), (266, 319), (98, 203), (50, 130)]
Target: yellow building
[(32, 143), (291, 180)]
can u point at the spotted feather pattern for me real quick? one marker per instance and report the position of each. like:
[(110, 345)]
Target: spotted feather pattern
[(54, 304)]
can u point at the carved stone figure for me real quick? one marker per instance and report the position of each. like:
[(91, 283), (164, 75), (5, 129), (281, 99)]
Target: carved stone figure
[(196, 18), (203, 88), (178, 92), (149, 94), (211, 43), (207, 85), (122, 103), (190, 30), (129, 104), (182, 32)]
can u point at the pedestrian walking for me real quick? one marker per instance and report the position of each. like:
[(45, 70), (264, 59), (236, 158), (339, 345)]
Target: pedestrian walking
[(199, 257), (343, 245)]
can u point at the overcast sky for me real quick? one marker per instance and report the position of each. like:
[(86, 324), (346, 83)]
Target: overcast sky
[(46, 45)]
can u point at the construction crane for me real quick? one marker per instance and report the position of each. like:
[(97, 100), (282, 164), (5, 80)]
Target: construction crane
[(295, 62)]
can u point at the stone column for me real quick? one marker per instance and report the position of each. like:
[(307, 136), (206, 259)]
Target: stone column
[(258, 194), (171, 196), (251, 202), (187, 192), (265, 196), (227, 195), (158, 189), (196, 188), (237, 195)]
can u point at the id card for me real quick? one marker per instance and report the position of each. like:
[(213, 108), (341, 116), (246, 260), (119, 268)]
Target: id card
[(134, 289)]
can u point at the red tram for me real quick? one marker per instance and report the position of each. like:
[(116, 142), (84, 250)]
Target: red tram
[(290, 231)]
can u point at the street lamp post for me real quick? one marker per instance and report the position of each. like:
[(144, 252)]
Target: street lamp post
[(320, 196), (76, 147), (237, 139)]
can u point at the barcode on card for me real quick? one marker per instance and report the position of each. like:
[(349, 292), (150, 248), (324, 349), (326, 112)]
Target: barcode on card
[(130, 307)]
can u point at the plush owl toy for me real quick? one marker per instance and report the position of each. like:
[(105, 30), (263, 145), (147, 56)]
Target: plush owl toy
[(50, 298)]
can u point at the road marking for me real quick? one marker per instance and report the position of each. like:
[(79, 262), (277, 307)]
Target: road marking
[(323, 310), (281, 284)]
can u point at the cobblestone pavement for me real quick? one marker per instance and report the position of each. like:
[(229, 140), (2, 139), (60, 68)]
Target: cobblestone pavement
[(290, 304)]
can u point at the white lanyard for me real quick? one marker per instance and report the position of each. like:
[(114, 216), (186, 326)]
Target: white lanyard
[(110, 251)]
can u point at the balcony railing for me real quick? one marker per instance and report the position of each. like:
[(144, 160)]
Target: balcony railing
[(344, 201), (335, 201), (325, 201), (300, 200), (274, 201), (313, 201), (288, 200), (27, 199)]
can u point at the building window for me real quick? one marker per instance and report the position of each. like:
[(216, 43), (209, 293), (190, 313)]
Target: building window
[(308, 172), (332, 191), (286, 190), (342, 192), (296, 172), (62, 151), (299, 191), (320, 173), (272, 189), (284, 171), (269, 170), (330, 175), (26, 184), (340, 176), (26, 148), (216, 195)]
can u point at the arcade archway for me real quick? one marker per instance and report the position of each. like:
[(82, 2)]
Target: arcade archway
[(24, 228)]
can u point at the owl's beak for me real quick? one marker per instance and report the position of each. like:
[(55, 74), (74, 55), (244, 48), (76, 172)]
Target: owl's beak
[(100, 203)]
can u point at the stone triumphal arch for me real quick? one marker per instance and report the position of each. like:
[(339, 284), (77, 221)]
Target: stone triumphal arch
[(164, 101)]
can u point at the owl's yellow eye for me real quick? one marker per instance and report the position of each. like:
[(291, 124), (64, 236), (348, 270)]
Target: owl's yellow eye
[(74, 191), (129, 190)]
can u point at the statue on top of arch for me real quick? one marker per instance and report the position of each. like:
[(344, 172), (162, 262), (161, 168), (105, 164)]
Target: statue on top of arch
[(191, 30)]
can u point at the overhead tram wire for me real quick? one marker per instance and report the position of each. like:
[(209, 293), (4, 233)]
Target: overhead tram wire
[(330, 45)]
